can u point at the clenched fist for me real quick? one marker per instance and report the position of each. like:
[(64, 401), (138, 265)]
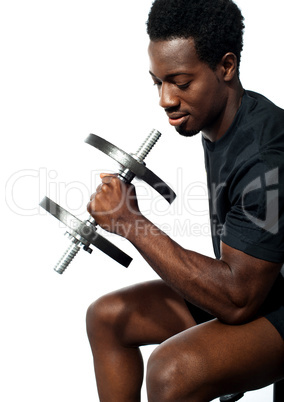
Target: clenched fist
[(114, 205)]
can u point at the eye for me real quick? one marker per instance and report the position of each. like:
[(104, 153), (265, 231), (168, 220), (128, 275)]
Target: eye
[(157, 83), (184, 86)]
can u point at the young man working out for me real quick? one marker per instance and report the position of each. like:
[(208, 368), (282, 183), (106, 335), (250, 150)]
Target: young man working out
[(218, 322)]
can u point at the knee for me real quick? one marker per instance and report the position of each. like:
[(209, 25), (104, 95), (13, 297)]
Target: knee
[(160, 377), (102, 314), (173, 375)]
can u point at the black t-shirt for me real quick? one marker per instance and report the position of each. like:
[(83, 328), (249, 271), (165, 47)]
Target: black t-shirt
[(245, 173)]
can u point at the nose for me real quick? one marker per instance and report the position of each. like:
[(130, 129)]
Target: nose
[(168, 98)]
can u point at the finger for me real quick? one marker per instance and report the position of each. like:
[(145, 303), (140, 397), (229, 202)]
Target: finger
[(102, 175), (92, 197), (99, 188), (108, 179), (89, 207)]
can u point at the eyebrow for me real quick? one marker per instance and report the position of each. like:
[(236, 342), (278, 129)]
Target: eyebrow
[(170, 75)]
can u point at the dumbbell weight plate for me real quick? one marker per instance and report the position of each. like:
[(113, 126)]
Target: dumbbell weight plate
[(127, 161), (87, 233)]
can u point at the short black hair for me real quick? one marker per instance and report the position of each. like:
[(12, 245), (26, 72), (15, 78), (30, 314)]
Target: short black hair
[(215, 25)]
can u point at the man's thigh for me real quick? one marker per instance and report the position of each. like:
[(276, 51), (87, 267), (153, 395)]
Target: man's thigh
[(141, 314), (215, 359)]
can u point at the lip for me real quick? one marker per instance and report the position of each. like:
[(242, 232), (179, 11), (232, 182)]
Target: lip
[(177, 120)]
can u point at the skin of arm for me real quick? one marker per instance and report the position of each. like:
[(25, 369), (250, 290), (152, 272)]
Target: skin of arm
[(232, 288)]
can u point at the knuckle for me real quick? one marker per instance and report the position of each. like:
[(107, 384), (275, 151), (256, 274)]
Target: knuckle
[(97, 198), (117, 182), (90, 207), (104, 187)]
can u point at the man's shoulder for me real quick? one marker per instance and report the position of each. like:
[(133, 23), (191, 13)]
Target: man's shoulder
[(258, 103), (263, 118)]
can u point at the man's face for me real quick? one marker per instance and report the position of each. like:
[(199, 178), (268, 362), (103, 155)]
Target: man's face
[(192, 94)]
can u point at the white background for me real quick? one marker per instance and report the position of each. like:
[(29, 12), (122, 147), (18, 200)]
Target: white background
[(69, 68)]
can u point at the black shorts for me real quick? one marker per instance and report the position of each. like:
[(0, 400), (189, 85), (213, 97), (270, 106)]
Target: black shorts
[(272, 309)]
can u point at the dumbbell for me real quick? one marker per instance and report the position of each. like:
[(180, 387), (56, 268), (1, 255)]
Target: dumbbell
[(84, 234)]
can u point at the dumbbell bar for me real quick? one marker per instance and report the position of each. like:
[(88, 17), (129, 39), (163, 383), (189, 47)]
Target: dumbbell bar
[(132, 164), (83, 234)]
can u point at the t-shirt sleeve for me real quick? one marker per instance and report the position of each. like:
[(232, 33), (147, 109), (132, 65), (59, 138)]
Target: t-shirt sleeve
[(254, 223)]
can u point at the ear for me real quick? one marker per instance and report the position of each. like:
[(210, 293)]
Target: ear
[(229, 66)]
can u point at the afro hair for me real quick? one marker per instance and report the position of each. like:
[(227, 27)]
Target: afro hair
[(215, 25)]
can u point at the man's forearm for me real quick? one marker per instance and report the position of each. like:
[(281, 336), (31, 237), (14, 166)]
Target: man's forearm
[(202, 280)]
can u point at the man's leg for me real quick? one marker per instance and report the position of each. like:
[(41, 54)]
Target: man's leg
[(120, 322), (215, 359)]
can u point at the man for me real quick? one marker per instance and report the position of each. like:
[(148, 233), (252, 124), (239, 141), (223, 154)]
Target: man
[(218, 322)]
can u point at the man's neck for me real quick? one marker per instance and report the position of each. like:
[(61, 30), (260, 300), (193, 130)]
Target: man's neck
[(227, 116)]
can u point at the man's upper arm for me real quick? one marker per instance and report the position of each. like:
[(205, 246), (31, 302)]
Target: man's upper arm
[(253, 278)]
